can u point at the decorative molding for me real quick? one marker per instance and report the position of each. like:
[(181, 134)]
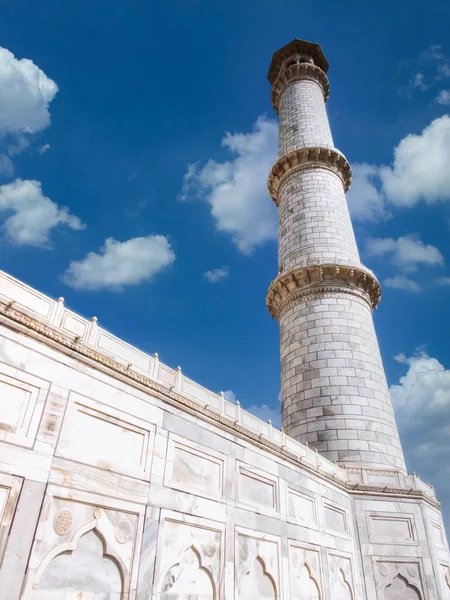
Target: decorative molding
[(318, 280), (305, 159), (298, 72), (18, 320)]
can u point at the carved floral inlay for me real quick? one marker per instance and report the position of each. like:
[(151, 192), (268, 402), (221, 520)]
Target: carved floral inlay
[(63, 522), (244, 552), (384, 570), (307, 158), (210, 549), (412, 571), (321, 279), (123, 532), (298, 72)]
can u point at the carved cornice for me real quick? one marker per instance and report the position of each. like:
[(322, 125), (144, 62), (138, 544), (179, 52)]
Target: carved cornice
[(305, 159), (320, 281), (298, 72)]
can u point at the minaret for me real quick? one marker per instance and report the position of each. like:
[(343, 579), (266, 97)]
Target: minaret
[(333, 387)]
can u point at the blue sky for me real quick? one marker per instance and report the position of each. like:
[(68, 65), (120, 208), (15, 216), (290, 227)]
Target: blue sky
[(134, 150)]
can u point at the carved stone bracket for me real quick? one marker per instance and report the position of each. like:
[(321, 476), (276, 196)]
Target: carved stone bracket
[(297, 72), (307, 158), (317, 280)]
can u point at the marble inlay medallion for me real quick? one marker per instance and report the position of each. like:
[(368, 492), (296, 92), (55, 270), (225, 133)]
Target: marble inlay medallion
[(63, 522)]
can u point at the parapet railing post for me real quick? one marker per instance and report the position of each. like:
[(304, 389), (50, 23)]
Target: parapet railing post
[(155, 369), (92, 333), (238, 411), (179, 380), (56, 317)]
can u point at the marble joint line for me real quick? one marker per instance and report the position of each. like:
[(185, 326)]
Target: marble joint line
[(305, 159), (321, 279), (298, 72)]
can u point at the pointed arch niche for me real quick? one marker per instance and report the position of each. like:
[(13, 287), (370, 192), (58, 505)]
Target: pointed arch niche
[(305, 572), (87, 568), (188, 579), (401, 588), (305, 586), (341, 589), (256, 583)]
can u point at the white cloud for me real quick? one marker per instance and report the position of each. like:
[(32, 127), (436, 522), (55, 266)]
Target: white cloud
[(236, 190), (407, 252), (265, 413), (435, 55), (365, 201), (443, 97), (427, 70), (25, 95), (400, 282), (418, 81), (216, 275), (6, 166), (421, 401), (119, 264), (420, 169), (230, 396), (188, 181), (43, 148), (443, 280), (419, 173), (33, 214)]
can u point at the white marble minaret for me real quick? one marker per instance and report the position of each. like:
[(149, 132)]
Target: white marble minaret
[(333, 387)]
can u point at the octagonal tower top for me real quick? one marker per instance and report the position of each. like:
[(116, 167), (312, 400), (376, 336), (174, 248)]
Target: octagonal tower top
[(309, 50)]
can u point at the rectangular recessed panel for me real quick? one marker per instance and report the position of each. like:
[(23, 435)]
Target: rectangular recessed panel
[(256, 490), (392, 529), (167, 375), (91, 436), (14, 402), (382, 478), (124, 352), (21, 406), (438, 535), (301, 507), (26, 297), (196, 391), (74, 324), (335, 519), (4, 495), (197, 471)]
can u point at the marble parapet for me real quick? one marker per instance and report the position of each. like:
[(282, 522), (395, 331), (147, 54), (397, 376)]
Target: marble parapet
[(27, 310)]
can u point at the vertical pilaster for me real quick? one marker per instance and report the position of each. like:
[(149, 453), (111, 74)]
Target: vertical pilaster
[(333, 387)]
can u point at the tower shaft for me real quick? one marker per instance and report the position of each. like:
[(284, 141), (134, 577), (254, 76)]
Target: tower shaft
[(333, 386)]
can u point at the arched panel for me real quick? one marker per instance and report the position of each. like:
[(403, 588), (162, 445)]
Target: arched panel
[(400, 589), (340, 588), (86, 569), (256, 583), (188, 579), (305, 587)]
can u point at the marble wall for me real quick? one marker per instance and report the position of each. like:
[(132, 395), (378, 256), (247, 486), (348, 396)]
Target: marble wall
[(112, 491)]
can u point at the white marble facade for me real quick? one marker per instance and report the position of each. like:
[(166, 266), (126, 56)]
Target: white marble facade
[(120, 479)]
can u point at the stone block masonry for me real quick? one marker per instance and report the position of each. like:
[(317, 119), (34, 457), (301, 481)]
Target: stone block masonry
[(334, 392)]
